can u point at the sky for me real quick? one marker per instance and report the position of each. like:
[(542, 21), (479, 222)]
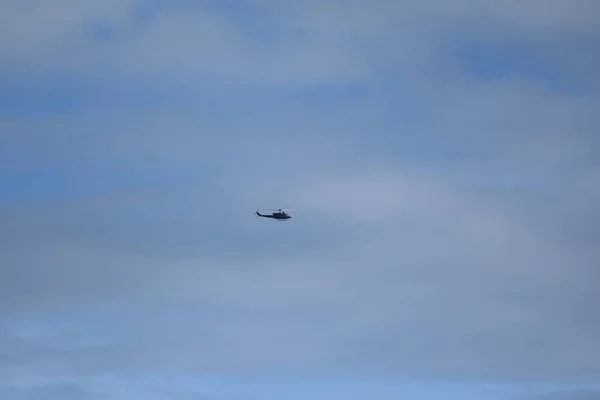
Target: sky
[(443, 159)]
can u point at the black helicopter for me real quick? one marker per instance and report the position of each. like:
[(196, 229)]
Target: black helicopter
[(280, 215)]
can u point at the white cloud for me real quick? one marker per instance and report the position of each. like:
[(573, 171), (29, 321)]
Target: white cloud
[(432, 268), (37, 33), (310, 41), (429, 265)]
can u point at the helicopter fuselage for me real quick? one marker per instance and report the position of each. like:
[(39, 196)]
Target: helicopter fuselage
[(278, 215)]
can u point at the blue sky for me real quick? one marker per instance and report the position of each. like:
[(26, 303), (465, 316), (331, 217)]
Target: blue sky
[(443, 158)]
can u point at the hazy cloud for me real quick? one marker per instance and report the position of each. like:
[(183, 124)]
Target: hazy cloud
[(443, 158), (579, 395)]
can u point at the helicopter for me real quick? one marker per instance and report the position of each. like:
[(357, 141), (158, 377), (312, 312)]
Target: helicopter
[(280, 215)]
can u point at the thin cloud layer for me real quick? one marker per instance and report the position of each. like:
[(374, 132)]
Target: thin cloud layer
[(443, 158)]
